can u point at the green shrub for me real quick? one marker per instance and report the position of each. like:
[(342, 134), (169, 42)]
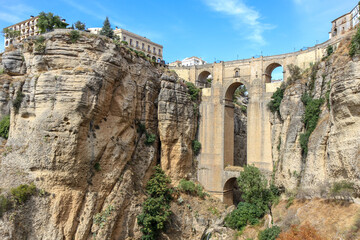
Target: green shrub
[(355, 44), (2, 71), (74, 36), (295, 73), (327, 95), (156, 208), (5, 204), (22, 193), (124, 43), (310, 119), (191, 188), (140, 128), (150, 138), (343, 189), (97, 167), (101, 218), (193, 91), (18, 100), (196, 146), (254, 188), (40, 45), (329, 50), (270, 233), (244, 214), (5, 126), (274, 104)]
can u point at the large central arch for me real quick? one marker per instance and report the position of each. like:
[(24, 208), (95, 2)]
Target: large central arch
[(229, 123), (202, 80), (269, 69)]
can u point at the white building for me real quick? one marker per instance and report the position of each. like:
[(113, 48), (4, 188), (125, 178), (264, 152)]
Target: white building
[(151, 49), (191, 61), (345, 22), (27, 28), (94, 30)]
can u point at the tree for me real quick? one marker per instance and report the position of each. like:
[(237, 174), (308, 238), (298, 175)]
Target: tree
[(106, 30), (80, 26), (11, 33), (47, 22)]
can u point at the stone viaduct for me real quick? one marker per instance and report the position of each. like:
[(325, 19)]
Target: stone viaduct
[(216, 170)]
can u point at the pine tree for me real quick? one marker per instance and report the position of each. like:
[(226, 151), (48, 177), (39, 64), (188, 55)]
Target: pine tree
[(106, 30)]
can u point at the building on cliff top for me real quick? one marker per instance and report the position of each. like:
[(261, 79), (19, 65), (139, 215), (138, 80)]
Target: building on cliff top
[(27, 28), (345, 22), (151, 49), (191, 61)]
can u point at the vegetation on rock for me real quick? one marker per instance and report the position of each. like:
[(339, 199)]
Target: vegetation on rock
[(193, 91), (355, 44), (196, 146), (310, 119), (257, 198), (48, 21), (156, 208), (74, 36), (18, 100), (5, 126), (10, 33), (191, 188), (270, 233), (274, 104)]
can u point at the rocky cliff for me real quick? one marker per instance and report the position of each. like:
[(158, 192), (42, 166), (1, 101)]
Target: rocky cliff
[(89, 119), (333, 147)]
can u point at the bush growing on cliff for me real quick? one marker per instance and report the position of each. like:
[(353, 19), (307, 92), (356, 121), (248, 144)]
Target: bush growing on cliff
[(191, 188), (5, 126), (150, 138), (23, 192), (244, 214), (18, 100), (156, 208), (270, 233), (295, 74), (74, 36), (355, 44), (305, 232), (342, 189), (193, 91), (196, 146), (5, 205), (310, 119), (277, 97)]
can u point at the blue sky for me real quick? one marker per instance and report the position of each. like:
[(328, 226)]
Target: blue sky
[(212, 29)]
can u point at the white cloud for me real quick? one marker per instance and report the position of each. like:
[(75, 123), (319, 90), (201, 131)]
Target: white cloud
[(14, 13), (243, 16)]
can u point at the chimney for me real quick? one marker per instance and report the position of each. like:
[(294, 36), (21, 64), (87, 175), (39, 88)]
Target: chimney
[(31, 16)]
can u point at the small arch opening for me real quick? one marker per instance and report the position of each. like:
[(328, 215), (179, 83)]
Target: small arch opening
[(232, 194), (204, 80), (274, 73)]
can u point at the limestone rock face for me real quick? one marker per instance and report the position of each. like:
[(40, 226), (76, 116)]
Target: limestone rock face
[(178, 116), (334, 150), (77, 136)]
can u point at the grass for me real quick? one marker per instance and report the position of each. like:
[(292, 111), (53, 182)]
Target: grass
[(5, 126)]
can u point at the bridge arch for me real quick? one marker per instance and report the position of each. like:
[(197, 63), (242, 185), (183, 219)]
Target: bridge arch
[(231, 192), (202, 79), (229, 137), (269, 69)]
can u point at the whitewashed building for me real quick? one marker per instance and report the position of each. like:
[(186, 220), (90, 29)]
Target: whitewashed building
[(191, 61)]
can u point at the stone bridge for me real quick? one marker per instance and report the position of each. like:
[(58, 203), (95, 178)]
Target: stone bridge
[(216, 170)]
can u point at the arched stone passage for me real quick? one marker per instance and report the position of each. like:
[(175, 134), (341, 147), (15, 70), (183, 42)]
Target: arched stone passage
[(202, 80), (229, 124), (231, 192), (268, 71)]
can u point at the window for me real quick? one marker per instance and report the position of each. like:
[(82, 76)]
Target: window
[(154, 50), (148, 48), (159, 52), (143, 46), (236, 73), (137, 43), (124, 38), (130, 42)]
